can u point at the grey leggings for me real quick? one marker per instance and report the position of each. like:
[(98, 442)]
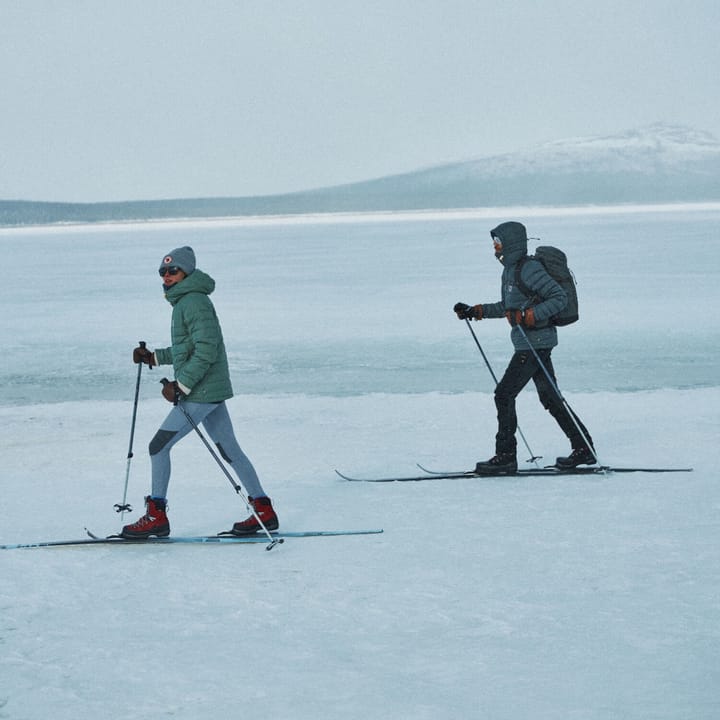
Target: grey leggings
[(215, 418)]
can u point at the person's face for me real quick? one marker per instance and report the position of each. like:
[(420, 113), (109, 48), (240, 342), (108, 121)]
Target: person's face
[(171, 276), (497, 244)]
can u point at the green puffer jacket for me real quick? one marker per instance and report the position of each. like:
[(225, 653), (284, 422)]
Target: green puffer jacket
[(198, 352)]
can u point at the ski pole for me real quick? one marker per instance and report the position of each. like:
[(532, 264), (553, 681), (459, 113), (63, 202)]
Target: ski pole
[(564, 402), (236, 486), (533, 458), (123, 507)]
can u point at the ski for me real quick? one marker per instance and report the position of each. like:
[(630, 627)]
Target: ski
[(549, 471), (277, 538), (556, 470)]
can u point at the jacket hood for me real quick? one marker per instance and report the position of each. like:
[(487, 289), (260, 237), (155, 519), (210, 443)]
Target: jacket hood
[(513, 237), (197, 282)]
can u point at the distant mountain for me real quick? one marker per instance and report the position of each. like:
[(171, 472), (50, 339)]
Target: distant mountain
[(655, 164)]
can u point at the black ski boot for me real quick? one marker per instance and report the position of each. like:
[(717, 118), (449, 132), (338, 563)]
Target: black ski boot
[(579, 456), (501, 464)]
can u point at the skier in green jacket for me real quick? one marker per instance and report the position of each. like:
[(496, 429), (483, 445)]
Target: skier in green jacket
[(202, 385)]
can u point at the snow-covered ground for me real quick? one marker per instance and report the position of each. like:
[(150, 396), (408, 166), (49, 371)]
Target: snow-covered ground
[(588, 598)]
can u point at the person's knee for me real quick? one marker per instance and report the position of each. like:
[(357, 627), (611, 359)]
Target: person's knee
[(503, 396), (160, 441)]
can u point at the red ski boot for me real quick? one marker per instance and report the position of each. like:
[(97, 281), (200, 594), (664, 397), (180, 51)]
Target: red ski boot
[(154, 522), (264, 510)]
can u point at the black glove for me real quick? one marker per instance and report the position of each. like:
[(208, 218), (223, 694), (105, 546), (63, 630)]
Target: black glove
[(468, 312), (142, 355), (171, 391)]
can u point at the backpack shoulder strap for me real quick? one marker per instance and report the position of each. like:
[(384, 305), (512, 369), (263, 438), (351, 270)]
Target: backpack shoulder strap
[(524, 289)]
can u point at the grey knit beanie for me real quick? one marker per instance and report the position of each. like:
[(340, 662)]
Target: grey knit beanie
[(183, 258)]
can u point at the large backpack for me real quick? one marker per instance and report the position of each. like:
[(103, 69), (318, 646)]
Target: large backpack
[(555, 263)]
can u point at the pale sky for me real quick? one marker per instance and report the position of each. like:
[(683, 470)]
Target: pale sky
[(144, 99)]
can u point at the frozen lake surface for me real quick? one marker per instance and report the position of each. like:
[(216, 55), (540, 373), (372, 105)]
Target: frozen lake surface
[(584, 598), (352, 308)]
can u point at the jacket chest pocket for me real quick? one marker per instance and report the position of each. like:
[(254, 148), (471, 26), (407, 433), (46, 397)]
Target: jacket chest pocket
[(514, 298)]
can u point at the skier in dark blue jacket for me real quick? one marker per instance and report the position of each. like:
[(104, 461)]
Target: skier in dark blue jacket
[(510, 242)]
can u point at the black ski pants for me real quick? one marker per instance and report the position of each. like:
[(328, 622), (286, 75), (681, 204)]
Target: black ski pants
[(524, 367)]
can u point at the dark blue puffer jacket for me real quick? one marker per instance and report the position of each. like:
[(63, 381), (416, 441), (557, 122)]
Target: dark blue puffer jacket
[(552, 298)]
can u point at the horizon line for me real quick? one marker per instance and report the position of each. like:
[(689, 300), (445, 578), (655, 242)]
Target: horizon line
[(370, 216)]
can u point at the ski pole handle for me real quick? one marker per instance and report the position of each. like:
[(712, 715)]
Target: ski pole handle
[(143, 345), (176, 392)]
